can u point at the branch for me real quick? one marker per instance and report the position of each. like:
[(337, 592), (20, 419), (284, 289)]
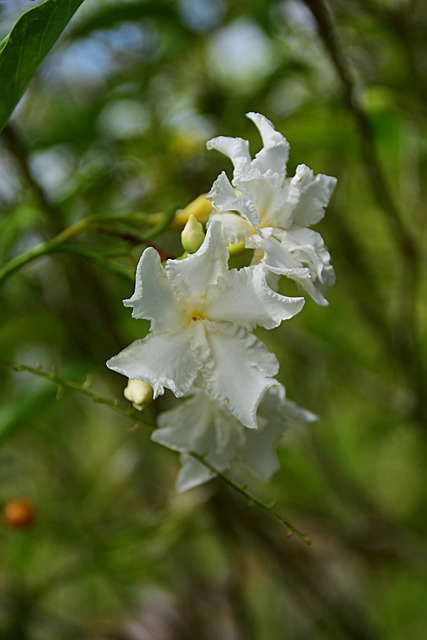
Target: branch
[(56, 246), (374, 172), (136, 417), (405, 326)]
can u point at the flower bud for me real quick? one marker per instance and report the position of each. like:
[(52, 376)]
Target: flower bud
[(192, 235), (236, 248), (139, 392), (200, 208)]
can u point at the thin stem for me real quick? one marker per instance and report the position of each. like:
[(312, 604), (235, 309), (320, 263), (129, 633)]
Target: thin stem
[(374, 172), (16, 145), (59, 244), (253, 499), (56, 246), (135, 417), (405, 331), (76, 386)]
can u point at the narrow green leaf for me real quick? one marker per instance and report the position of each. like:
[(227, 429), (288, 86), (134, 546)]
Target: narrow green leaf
[(26, 46)]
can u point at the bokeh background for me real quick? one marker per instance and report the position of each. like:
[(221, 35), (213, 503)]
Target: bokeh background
[(115, 123)]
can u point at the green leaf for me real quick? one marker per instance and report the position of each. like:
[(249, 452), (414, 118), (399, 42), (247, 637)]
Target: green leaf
[(26, 46)]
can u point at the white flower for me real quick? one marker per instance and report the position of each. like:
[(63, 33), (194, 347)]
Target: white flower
[(202, 315), (274, 212), (202, 426)]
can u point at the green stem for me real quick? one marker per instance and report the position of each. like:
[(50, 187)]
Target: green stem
[(304, 536), (77, 386), (56, 246), (59, 244), (136, 417)]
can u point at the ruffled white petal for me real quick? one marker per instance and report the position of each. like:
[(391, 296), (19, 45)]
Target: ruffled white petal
[(275, 205), (191, 276), (259, 450), (236, 149), (241, 371), (275, 416), (199, 425), (244, 298), (264, 193), (187, 427), (307, 245), (274, 155), (236, 229), (165, 360), (225, 199), (154, 298), (311, 194), (278, 258), (301, 255)]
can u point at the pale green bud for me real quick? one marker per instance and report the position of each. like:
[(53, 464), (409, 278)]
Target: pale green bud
[(139, 392), (236, 248), (192, 235)]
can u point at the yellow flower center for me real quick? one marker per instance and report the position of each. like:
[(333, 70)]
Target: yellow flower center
[(196, 315)]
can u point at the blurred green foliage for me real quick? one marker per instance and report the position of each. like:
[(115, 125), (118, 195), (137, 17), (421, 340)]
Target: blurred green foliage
[(114, 123)]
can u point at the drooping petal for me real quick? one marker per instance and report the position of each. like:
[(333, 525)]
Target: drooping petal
[(186, 427), (201, 426), (154, 298), (274, 155), (165, 360), (278, 258), (309, 247), (225, 199), (236, 149), (241, 370), (301, 256), (275, 416), (244, 298), (294, 413), (192, 474), (259, 452), (191, 276), (311, 194)]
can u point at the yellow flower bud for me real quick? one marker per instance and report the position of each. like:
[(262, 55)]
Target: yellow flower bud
[(139, 392), (236, 248), (200, 208), (192, 235)]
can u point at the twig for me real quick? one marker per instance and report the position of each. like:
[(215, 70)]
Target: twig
[(304, 536), (17, 147), (55, 246), (374, 172), (135, 417), (405, 329)]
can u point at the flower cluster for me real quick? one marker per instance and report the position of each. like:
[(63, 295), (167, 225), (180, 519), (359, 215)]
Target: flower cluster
[(203, 313), (272, 213)]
